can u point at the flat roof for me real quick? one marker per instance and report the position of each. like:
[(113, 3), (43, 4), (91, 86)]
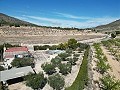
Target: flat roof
[(15, 73), (15, 49)]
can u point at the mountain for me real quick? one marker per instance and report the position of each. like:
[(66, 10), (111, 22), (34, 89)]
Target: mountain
[(111, 26), (11, 21)]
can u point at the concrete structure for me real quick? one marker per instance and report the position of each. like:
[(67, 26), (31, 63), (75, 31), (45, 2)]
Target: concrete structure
[(15, 73)]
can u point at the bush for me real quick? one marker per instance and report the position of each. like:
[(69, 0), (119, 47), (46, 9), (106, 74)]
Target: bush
[(22, 62), (72, 61), (1, 68), (113, 35), (65, 68), (56, 61), (63, 56), (56, 82), (35, 81), (48, 68)]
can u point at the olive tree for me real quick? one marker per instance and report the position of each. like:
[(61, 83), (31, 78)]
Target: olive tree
[(56, 82), (65, 68), (21, 62), (48, 68), (35, 81)]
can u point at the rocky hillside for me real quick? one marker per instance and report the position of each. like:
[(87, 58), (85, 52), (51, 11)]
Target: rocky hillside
[(111, 26), (11, 21)]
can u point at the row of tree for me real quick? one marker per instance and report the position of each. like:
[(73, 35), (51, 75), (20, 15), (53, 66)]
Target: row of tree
[(71, 44), (111, 45), (107, 82)]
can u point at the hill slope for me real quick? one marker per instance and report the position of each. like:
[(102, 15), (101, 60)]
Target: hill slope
[(8, 20), (111, 26)]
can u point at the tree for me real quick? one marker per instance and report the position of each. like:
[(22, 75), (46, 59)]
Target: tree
[(109, 83), (63, 56), (22, 62), (48, 68), (1, 68), (56, 61), (72, 43), (35, 81), (72, 61), (56, 82), (65, 68), (113, 35)]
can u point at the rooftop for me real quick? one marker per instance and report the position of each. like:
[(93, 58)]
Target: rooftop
[(15, 73), (14, 49)]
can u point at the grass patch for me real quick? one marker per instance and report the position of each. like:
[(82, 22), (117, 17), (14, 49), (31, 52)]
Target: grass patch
[(82, 77)]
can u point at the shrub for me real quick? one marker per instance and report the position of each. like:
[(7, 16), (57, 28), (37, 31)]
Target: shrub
[(56, 82), (63, 56), (1, 68), (22, 62), (48, 68), (35, 81), (65, 68), (56, 61)]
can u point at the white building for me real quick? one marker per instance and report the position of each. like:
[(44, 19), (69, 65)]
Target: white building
[(9, 54)]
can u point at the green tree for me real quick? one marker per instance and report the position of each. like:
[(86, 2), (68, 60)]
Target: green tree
[(1, 68), (113, 35), (65, 68), (72, 43), (109, 83), (21, 62), (48, 68), (56, 82), (72, 61), (63, 56), (56, 61), (35, 81)]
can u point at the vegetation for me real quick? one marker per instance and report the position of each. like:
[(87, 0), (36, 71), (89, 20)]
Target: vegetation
[(82, 77), (109, 83), (63, 56), (56, 82), (72, 61), (65, 68), (113, 46), (1, 68), (72, 43), (113, 35), (48, 68), (102, 66), (22, 62), (56, 61), (35, 81)]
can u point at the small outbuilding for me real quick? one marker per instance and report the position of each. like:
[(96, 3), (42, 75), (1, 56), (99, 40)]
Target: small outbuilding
[(14, 73)]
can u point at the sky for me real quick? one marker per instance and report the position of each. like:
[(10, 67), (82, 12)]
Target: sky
[(63, 13)]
